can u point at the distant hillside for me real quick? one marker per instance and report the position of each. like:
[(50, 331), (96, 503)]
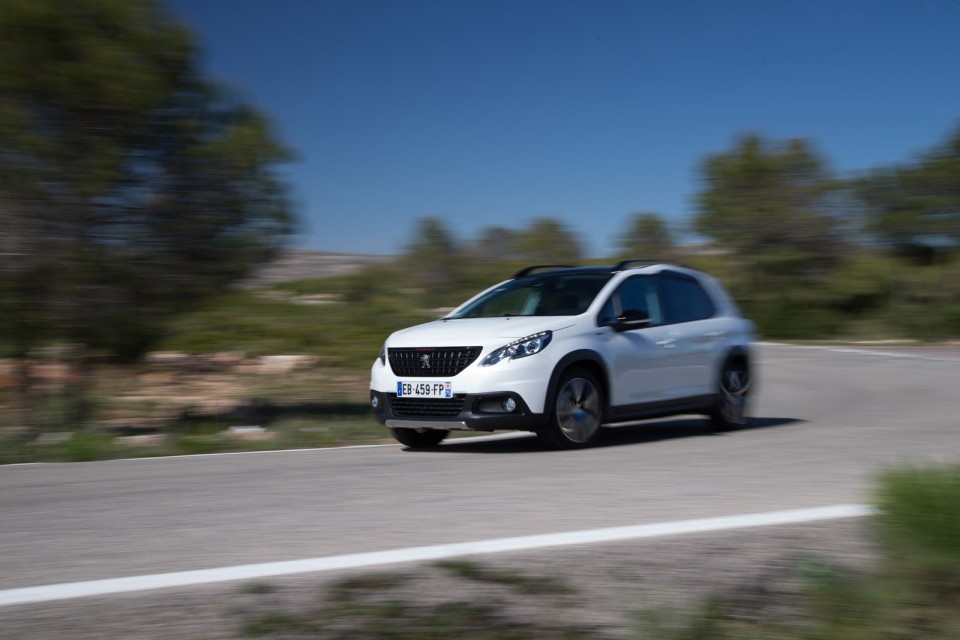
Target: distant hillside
[(300, 264)]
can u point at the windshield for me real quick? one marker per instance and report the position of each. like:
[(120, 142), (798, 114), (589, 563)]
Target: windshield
[(547, 295)]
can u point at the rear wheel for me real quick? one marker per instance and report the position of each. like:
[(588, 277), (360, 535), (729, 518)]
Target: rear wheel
[(577, 411), (730, 411), (419, 438)]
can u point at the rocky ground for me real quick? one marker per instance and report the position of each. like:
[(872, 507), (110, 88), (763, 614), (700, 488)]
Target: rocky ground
[(300, 264)]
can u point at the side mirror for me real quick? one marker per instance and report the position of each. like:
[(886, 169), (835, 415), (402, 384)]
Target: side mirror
[(632, 319)]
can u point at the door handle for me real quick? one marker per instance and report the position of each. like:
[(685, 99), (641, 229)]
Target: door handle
[(711, 335), (667, 343)]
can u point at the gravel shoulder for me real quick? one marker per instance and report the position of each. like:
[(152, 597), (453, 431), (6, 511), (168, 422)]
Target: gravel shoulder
[(755, 570)]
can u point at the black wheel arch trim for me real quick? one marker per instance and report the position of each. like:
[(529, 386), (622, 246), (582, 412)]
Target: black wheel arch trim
[(738, 351), (569, 360)]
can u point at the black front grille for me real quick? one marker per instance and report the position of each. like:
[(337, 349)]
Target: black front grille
[(427, 407), (432, 362)]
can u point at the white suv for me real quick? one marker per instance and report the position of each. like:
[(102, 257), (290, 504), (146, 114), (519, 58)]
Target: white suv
[(563, 351)]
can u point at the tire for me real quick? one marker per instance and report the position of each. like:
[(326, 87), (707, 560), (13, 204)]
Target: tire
[(733, 394), (577, 411), (419, 438)]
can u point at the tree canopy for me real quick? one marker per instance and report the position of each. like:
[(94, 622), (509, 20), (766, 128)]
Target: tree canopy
[(548, 240), (768, 202), (916, 208), (647, 236), (131, 186), (433, 255)]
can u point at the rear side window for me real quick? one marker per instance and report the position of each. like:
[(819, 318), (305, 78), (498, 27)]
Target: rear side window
[(684, 299)]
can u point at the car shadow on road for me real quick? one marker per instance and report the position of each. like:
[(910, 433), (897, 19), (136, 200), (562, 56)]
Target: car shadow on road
[(614, 436), (688, 427)]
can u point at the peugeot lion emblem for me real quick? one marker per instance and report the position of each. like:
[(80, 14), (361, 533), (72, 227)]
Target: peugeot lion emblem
[(425, 361)]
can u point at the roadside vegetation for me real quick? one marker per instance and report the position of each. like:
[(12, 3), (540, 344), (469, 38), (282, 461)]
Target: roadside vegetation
[(911, 592)]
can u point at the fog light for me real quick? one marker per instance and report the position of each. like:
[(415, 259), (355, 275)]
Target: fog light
[(509, 404), (375, 402)]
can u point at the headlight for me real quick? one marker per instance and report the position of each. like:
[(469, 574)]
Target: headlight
[(383, 354), (520, 348)]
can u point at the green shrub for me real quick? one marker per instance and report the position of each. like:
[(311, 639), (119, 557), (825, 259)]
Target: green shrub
[(918, 523), (470, 570), (913, 593), (198, 445), (84, 446)]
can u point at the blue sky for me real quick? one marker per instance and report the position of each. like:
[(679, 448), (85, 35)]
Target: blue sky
[(492, 112)]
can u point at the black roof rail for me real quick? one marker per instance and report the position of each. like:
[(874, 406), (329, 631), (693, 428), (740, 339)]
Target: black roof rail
[(623, 264), (528, 270)]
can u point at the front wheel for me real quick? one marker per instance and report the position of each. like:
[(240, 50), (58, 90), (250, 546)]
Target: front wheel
[(577, 411), (730, 411), (419, 438)]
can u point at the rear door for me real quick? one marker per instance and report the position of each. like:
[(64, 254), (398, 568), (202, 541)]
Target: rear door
[(690, 313)]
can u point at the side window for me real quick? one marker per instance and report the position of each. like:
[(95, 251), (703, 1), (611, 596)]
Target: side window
[(636, 294), (685, 300), (607, 314)]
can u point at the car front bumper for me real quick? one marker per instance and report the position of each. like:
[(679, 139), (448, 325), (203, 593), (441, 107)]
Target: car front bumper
[(468, 412), (478, 395)]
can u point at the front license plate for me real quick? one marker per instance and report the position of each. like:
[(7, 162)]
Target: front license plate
[(424, 390)]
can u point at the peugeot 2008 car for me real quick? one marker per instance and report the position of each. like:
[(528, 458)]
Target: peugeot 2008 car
[(562, 351)]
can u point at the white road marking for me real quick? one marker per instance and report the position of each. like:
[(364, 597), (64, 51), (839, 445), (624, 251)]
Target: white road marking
[(209, 455), (861, 351), (255, 453), (507, 435), (47, 593)]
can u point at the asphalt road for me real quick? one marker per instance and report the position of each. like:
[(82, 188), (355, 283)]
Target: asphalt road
[(826, 422)]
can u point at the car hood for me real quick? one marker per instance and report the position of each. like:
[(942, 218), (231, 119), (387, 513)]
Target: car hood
[(474, 331)]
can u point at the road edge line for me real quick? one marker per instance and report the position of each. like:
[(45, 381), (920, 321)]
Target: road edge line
[(111, 586)]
